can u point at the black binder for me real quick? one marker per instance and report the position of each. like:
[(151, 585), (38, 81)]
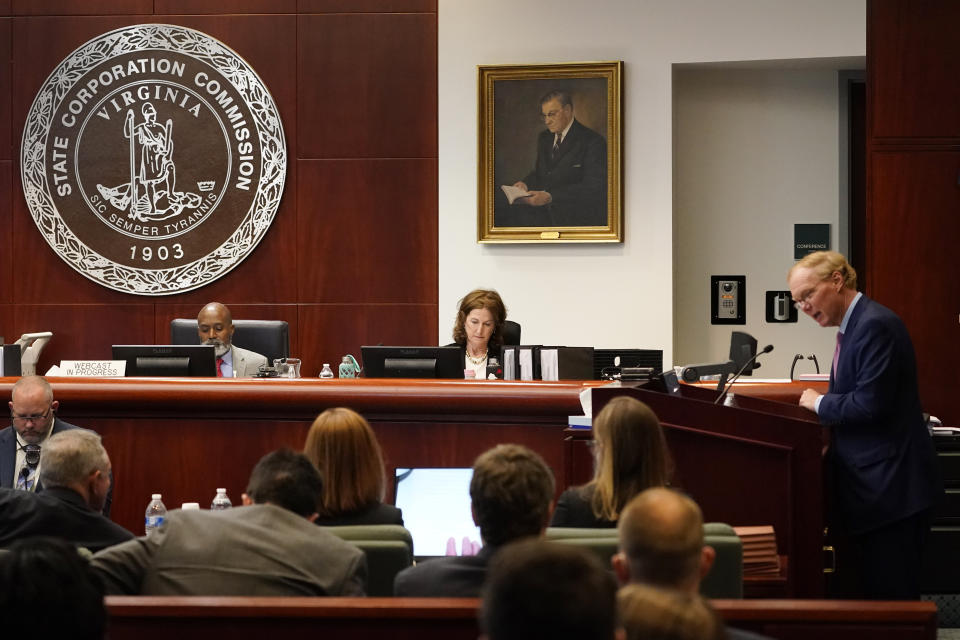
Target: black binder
[(11, 360)]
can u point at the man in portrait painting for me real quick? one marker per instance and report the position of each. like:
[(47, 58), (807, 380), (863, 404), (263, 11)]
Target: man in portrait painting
[(568, 184)]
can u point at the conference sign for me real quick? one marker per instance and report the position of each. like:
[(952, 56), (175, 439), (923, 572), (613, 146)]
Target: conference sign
[(153, 159)]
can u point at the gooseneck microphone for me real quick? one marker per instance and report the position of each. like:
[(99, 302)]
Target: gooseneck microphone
[(766, 349)]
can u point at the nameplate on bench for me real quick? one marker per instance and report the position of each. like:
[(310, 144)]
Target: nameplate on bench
[(93, 368)]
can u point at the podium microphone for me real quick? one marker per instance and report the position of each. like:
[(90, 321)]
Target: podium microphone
[(766, 349)]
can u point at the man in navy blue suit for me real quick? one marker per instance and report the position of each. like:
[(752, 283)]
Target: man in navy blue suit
[(881, 466)]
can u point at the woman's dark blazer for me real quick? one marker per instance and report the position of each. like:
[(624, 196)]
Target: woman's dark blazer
[(574, 510), (377, 513)]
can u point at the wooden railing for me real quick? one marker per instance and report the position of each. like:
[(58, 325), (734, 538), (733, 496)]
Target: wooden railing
[(185, 618)]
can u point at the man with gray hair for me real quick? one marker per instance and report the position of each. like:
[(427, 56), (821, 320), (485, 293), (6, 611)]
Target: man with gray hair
[(76, 476)]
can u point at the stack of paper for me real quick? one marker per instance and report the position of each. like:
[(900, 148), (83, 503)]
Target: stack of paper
[(759, 551)]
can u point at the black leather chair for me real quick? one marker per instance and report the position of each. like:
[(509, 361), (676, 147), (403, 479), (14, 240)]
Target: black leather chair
[(511, 332), (270, 338)]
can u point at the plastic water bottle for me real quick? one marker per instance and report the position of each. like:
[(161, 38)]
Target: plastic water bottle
[(156, 512), (220, 501), (326, 372)]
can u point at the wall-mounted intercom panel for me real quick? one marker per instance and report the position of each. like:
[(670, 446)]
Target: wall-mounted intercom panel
[(728, 299)]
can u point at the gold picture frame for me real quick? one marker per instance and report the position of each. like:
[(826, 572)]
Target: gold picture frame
[(573, 182)]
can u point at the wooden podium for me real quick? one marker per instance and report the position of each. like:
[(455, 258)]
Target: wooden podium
[(757, 462)]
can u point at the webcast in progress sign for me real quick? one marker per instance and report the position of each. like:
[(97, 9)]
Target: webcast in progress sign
[(153, 159)]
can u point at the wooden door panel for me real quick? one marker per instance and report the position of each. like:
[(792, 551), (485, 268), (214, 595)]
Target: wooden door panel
[(914, 58), (913, 233)]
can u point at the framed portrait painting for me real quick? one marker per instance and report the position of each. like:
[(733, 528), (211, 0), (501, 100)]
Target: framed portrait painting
[(549, 161)]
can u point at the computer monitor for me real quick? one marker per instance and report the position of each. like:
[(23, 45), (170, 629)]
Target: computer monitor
[(436, 509), (412, 362), (743, 348), (184, 360)]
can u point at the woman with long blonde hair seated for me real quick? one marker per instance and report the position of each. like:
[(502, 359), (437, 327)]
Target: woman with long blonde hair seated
[(630, 455), (344, 448)]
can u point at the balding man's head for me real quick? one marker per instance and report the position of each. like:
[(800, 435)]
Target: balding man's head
[(661, 541), (215, 327), (32, 407)]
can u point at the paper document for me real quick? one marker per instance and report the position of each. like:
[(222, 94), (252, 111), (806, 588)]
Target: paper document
[(513, 192), (549, 364), (509, 363), (526, 364)]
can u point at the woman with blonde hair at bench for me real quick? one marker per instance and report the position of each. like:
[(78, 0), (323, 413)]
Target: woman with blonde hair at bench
[(344, 448), (630, 455)]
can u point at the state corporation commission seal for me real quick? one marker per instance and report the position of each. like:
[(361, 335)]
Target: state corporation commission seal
[(153, 159)]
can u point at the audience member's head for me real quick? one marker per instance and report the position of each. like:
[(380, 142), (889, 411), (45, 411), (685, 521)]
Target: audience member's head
[(541, 590), (511, 493), (32, 408), (285, 479), (215, 327), (48, 591), (661, 542), (344, 448), (650, 613), (75, 459), (823, 264), (631, 455)]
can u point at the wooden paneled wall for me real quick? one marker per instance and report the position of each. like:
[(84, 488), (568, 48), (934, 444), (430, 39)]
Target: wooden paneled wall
[(913, 183), (351, 257)]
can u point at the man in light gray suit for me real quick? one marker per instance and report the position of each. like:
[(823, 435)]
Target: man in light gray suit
[(267, 547), (215, 328)]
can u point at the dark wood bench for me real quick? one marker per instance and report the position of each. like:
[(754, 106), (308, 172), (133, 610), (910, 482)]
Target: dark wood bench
[(241, 618), (146, 618), (832, 619)]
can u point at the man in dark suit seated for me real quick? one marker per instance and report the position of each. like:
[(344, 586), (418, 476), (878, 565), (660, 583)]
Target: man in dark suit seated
[(661, 545), (881, 468), (511, 495), (267, 547), (540, 590), (76, 476), (33, 412)]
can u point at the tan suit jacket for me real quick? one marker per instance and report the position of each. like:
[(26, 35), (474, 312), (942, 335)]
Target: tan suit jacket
[(246, 363), (260, 550)]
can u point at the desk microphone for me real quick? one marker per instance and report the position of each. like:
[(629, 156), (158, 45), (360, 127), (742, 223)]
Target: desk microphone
[(766, 349)]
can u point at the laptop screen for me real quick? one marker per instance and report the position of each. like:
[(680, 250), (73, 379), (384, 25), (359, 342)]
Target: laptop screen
[(436, 510)]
